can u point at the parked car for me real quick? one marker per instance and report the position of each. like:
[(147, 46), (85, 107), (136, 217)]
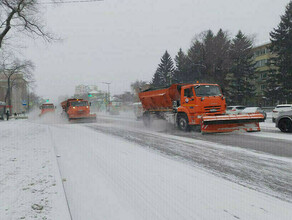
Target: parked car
[(234, 110), (284, 121), (254, 110), (280, 108)]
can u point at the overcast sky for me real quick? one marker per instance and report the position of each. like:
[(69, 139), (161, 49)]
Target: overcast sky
[(120, 41)]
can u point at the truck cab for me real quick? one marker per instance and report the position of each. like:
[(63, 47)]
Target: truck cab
[(201, 99), (48, 107), (77, 107)]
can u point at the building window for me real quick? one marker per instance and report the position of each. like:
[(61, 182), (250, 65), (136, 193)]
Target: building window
[(261, 63)]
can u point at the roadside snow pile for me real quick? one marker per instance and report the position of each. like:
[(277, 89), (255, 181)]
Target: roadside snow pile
[(30, 183)]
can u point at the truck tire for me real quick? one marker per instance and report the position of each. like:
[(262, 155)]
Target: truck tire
[(183, 122), (285, 125), (146, 119)]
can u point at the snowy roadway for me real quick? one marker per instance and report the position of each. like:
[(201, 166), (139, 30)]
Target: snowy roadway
[(115, 169)]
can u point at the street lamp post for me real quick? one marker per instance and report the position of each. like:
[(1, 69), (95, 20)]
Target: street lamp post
[(108, 95)]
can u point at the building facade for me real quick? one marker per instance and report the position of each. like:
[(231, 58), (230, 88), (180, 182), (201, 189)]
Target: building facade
[(262, 54), (19, 93)]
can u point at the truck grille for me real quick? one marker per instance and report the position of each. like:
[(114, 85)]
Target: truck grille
[(215, 108)]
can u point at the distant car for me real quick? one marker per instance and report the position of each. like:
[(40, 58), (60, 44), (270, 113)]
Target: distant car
[(284, 121), (280, 108), (234, 110), (254, 110)]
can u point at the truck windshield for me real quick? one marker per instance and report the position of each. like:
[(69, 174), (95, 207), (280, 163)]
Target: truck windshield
[(47, 106), (79, 103), (207, 90)]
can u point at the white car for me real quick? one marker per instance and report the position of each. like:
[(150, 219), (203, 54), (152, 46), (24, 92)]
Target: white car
[(234, 110), (280, 108), (254, 110), (284, 121)]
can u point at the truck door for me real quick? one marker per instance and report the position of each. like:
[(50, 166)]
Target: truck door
[(188, 99)]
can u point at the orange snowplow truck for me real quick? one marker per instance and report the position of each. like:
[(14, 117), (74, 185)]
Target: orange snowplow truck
[(47, 107), (200, 105), (78, 109)]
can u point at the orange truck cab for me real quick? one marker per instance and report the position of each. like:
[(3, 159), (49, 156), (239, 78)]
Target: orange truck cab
[(47, 107), (77, 109), (195, 104)]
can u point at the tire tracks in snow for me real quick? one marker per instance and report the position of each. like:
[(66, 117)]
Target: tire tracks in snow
[(259, 171)]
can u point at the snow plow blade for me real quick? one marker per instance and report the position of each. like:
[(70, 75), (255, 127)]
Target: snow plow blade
[(80, 119), (229, 123)]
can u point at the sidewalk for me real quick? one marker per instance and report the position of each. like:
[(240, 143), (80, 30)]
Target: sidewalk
[(30, 183)]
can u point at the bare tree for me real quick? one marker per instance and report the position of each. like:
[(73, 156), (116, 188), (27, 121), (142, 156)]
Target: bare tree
[(14, 71), (24, 16)]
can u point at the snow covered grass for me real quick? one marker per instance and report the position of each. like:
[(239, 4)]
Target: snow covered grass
[(30, 183)]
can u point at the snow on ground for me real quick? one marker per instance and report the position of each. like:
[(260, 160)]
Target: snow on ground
[(30, 183), (110, 178), (270, 131), (107, 177)]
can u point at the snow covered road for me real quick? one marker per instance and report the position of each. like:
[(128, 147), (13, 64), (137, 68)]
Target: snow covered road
[(112, 171), (110, 178)]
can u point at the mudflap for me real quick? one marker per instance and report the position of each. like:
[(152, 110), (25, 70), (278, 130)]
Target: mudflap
[(229, 123)]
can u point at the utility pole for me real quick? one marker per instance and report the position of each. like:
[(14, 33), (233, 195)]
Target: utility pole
[(108, 95)]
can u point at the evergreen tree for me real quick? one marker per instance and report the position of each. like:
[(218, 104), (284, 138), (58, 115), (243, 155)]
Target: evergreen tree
[(164, 73), (181, 72), (196, 62), (209, 55), (279, 85), (221, 58), (241, 86)]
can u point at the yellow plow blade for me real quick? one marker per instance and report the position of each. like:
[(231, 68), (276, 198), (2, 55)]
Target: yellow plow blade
[(228, 123)]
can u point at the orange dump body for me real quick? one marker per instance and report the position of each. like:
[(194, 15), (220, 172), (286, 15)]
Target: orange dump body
[(48, 107), (78, 109), (161, 99)]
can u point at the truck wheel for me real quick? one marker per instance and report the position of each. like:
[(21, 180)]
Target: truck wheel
[(285, 125), (183, 122), (146, 119)]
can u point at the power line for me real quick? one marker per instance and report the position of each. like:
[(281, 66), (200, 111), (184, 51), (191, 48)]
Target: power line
[(70, 2)]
